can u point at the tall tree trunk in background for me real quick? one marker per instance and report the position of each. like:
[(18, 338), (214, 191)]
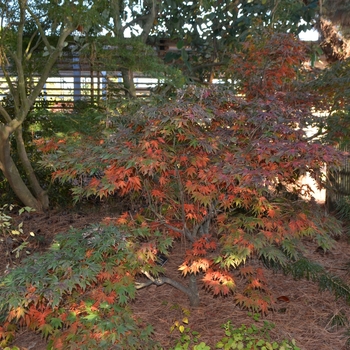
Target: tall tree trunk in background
[(333, 44), (117, 9), (128, 82), (334, 28)]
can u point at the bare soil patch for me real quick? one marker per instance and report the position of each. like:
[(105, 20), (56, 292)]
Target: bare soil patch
[(304, 314)]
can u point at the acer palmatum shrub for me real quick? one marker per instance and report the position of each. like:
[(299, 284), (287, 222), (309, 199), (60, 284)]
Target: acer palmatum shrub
[(215, 169)]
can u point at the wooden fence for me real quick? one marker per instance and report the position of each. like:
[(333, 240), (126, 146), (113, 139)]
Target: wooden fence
[(74, 81), (339, 182)]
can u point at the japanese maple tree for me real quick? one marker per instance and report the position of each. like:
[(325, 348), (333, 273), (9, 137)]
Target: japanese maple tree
[(218, 169)]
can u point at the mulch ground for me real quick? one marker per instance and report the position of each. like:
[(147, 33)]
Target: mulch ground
[(303, 312)]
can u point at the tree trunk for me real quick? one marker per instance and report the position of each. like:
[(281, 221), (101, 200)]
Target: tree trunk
[(191, 290), (335, 47), (128, 81), (38, 191), (193, 287), (33, 196), (13, 176)]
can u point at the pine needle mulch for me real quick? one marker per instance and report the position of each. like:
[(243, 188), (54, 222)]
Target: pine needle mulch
[(302, 313)]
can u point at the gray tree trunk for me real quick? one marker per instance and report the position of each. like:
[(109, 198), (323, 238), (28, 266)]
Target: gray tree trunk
[(128, 82), (14, 178)]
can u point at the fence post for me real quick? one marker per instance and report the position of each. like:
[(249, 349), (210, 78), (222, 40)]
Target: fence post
[(76, 76)]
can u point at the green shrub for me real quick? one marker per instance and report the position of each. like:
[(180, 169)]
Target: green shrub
[(252, 337), (76, 294)]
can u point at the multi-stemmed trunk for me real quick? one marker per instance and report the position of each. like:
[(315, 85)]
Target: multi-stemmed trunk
[(34, 197), (27, 189)]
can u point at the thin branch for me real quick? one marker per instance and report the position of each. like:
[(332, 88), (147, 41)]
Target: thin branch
[(134, 21), (29, 51), (17, 56), (41, 31), (49, 64), (7, 76), (150, 20), (140, 285), (185, 231), (115, 13), (182, 200), (5, 114), (208, 217), (317, 134)]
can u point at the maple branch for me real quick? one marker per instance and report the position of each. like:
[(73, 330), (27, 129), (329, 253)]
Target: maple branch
[(317, 134), (181, 196), (136, 20), (186, 231), (5, 114), (160, 280), (322, 125), (140, 285), (205, 221)]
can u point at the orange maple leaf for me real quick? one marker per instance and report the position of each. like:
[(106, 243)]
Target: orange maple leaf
[(185, 269), (271, 212), (191, 171), (163, 180), (136, 182), (246, 270), (158, 194), (123, 218), (94, 183), (188, 208)]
